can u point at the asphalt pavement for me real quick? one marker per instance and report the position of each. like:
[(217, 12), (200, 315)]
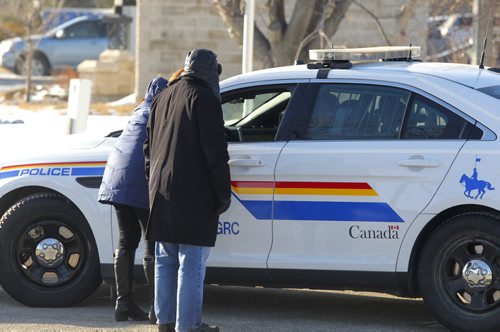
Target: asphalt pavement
[(11, 81), (239, 309)]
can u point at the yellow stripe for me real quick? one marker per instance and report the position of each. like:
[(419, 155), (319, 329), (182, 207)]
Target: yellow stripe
[(254, 191), (306, 191), (326, 191)]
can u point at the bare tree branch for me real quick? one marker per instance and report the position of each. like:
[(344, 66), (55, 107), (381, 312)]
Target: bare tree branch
[(333, 13), (335, 16), (305, 16), (233, 18), (377, 21), (314, 34), (277, 22), (310, 37), (403, 22), (280, 45), (302, 14)]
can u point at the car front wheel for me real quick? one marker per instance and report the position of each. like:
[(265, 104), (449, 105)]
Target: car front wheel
[(459, 272), (39, 66), (48, 255)]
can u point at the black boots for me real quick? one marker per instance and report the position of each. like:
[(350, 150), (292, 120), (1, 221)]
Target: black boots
[(166, 327), (149, 272), (205, 328), (124, 277), (202, 328)]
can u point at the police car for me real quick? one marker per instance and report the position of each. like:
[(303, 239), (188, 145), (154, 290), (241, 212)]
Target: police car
[(347, 173)]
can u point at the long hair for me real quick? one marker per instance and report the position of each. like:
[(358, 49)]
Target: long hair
[(175, 75)]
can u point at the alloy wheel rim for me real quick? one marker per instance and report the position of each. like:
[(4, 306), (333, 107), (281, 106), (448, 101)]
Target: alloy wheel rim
[(471, 275), (50, 253)]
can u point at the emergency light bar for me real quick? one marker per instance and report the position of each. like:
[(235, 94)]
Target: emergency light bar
[(365, 54)]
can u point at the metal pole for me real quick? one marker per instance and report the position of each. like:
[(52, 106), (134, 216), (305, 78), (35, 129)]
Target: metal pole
[(80, 91), (476, 33), (481, 10), (248, 27)]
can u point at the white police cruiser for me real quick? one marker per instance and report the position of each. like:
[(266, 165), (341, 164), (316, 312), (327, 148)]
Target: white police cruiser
[(346, 174)]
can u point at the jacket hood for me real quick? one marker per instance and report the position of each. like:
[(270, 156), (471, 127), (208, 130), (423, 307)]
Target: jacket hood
[(156, 85), (202, 64)]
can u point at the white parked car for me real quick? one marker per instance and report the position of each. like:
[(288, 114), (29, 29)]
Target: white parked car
[(375, 175)]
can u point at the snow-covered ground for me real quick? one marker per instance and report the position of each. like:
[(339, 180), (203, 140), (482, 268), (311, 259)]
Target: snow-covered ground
[(48, 123)]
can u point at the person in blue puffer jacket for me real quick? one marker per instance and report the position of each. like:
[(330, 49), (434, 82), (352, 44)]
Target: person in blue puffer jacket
[(124, 186)]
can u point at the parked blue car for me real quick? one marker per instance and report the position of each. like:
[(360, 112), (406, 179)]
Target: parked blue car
[(66, 45)]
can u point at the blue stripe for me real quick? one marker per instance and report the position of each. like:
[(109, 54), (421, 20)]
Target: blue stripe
[(341, 211), (323, 211), (259, 209), (77, 171), (9, 174)]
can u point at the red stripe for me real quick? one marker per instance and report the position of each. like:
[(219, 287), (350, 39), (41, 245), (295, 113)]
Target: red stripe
[(252, 184), (325, 185)]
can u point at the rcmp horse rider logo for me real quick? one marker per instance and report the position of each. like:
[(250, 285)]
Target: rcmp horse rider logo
[(472, 183)]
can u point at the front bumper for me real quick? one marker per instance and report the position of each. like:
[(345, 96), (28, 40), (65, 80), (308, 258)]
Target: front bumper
[(8, 60)]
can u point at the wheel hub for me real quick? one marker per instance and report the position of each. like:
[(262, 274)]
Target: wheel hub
[(49, 252), (477, 274)]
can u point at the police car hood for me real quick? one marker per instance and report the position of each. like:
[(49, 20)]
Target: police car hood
[(41, 149)]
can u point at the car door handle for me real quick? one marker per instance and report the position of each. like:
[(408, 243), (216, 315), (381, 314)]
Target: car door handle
[(419, 163), (247, 162)]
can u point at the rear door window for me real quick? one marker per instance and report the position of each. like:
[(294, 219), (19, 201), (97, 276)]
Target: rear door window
[(349, 111), (377, 112), (429, 120), (493, 91)]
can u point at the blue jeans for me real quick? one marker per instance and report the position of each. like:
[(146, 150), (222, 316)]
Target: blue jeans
[(179, 277)]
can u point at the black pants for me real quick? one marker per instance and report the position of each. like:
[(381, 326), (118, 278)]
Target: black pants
[(132, 224)]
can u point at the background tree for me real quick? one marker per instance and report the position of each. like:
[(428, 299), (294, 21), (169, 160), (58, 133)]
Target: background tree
[(311, 23), (28, 14), (89, 3)]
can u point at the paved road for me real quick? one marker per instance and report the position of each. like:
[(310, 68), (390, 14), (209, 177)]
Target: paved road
[(239, 309), (10, 81)]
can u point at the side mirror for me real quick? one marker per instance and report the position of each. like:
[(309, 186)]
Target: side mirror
[(59, 34)]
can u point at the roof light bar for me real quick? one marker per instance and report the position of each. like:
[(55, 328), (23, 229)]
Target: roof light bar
[(365, 54)]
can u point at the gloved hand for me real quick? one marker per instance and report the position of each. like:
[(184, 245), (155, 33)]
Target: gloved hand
[(223, 206)]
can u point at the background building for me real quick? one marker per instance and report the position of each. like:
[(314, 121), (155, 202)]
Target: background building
[(167, 29)]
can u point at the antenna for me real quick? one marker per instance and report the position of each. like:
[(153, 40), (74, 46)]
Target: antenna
[(409, 55), (481, 64)]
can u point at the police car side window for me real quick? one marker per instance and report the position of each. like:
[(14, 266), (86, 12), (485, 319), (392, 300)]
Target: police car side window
[(354, 111), (429, 120), (254, 115)]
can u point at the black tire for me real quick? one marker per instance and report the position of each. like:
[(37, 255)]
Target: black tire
[(453, 272), (48, 255), (39, 67)]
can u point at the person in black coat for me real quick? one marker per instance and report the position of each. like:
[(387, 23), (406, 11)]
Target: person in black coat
[(189, 187)]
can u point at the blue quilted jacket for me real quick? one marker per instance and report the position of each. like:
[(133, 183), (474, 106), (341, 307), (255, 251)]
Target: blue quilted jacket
[(124, 180)]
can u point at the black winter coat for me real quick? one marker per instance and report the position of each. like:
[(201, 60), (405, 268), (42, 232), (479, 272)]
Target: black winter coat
[(186, 159)]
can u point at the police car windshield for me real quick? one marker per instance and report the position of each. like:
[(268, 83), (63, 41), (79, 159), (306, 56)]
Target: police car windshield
[(493, 91)]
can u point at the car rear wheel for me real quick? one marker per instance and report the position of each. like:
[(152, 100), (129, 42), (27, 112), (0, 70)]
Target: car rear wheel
[(48, 255), (459, 272)]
